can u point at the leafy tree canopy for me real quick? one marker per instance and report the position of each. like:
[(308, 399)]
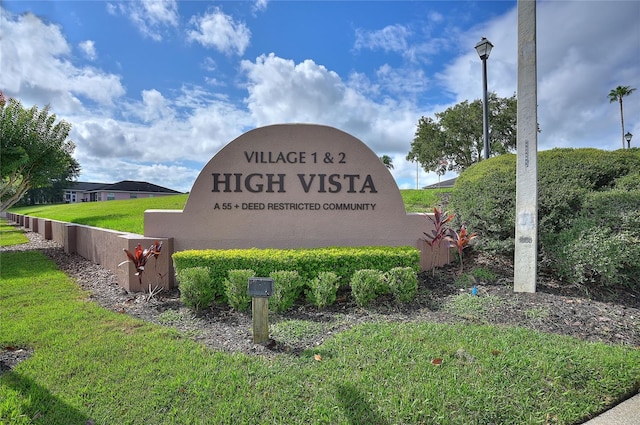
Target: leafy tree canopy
[(387, 161), (453, 141), (35, 151)]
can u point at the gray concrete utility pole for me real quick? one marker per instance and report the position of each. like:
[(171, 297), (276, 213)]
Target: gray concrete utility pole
[(526, 243)]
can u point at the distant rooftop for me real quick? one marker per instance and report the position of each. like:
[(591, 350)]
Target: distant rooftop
[(444, 184), (123, 186)]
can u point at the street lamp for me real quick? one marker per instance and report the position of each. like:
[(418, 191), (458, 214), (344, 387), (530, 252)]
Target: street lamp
[(483, 48), (628, 137)]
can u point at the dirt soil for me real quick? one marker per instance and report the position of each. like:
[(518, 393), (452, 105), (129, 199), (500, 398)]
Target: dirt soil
[(606, 316)]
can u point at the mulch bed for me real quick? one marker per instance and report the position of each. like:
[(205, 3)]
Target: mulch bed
[(611, 317)]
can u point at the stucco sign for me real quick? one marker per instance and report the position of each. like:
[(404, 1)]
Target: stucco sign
[(287, 186)]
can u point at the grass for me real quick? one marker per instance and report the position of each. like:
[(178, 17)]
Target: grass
[(472, 307), (417, 200), (91, 363), (128, 215), (295, 331), (10, 235)]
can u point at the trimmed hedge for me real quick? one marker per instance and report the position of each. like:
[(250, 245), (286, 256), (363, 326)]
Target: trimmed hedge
[(484, 195), (588, 208), (602, 245), (308, 262), (484, 200)]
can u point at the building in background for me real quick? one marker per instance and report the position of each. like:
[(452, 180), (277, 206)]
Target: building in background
[(126, 189), (444, 184)]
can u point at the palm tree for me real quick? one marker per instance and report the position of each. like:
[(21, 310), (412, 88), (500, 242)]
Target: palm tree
[(387, 161), (616, 95)]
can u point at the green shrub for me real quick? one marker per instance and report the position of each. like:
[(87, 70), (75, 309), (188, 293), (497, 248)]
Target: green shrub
[(604, 257), (484, 200), (600, 247), (366, 285), (322, 289), (629, 182), (196, 291), (484, 194), (236, 288), (567, 176), (308, 262), (403, 283), (607, 208), (287, 287)]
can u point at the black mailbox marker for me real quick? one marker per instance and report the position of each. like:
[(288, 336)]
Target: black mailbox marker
[(260, 289)]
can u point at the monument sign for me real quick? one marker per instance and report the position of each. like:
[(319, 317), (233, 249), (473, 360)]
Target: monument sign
[(291, 186)]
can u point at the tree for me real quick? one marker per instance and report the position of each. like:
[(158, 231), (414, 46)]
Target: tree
[(387, 161), (616, 95), (35, 151), (455, 137)]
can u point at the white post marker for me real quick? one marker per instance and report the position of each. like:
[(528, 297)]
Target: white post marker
[(526, 243)]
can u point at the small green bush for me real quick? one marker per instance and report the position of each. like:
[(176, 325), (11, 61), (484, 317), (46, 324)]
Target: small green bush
[(236, 289), (403, 283), (287, 287), (366, 285), (322, 289), (196, 291)]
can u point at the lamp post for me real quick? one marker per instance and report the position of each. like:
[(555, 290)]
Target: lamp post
[(628, 137), (483, 48)]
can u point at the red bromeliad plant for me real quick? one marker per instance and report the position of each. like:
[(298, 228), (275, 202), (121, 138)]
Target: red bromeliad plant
[(443, 232), (461, 241), (140, 256), (439, 233)]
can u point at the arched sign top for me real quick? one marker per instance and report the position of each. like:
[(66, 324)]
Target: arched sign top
[(291, 186), (291, 168)]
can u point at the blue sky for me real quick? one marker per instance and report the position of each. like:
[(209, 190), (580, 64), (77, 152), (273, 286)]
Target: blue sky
[(153, 89)]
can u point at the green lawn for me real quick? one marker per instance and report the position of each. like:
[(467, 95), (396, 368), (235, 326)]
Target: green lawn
[(125, 216), (10, 235), (418, 200), (91, 363), (128, 215)]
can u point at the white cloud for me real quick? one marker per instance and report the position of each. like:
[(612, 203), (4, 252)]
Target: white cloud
[(435, 17), (392, 38), (153, 108), (151, 17), (260, 5), (594, 48), (403, 81), (36, 63), (220, 31), (89, 49), (281, 91)]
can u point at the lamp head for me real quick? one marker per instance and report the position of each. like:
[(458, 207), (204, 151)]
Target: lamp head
[(483, 48)]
